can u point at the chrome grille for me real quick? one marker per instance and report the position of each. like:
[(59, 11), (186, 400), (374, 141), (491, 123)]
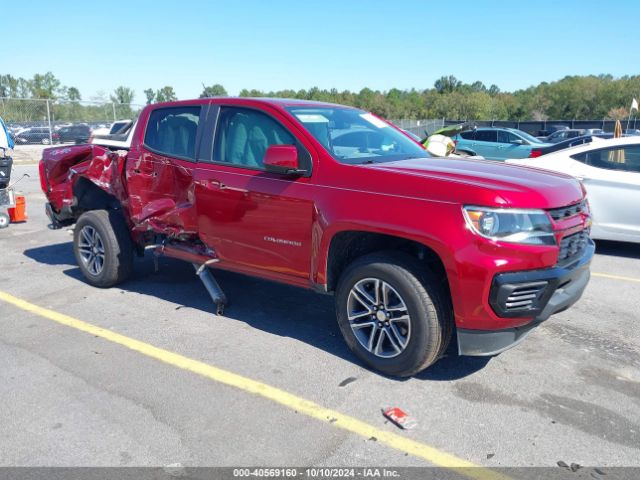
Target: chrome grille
[(525, 296), (566, 212), (572, 246)]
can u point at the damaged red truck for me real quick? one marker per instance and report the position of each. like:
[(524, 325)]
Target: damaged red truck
[(416, 250)]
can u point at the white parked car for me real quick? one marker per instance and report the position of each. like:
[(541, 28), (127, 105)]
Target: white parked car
[(610, 172), (121, 140)]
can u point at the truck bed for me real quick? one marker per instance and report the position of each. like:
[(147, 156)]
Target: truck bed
[(70, 175), (62, 167)]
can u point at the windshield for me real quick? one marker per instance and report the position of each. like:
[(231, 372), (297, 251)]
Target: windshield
[(529, 138), (354, 136)]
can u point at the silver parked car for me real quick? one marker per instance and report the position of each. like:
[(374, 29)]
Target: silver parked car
[(610, 171)]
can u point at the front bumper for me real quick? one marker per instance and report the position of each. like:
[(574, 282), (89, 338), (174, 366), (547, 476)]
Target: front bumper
[(532, 293)]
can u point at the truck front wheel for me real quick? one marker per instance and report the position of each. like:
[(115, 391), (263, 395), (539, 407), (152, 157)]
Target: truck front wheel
[(103, 247), (393, 315)]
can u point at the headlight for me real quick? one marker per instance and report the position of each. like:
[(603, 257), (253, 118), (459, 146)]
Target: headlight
[(511, 225)]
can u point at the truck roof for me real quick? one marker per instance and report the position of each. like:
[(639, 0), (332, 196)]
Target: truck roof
[(280, 102)]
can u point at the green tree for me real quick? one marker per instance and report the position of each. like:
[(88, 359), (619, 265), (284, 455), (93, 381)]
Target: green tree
[(24, 90), (579, 97), (216, 90), (73, 94), (123, 95), (447, 84), (151, 95), (478, 86), (122, 98), (166, 94), (44, 86), (365, 98), (8, 86)]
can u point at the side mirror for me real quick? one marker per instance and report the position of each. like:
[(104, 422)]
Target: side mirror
[(518, 142), (282, 159)]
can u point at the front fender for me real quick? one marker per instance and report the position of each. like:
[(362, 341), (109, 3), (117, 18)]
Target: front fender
[(441, 234)]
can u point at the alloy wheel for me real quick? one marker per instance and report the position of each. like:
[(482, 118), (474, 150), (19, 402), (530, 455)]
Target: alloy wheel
[(91, 249), (379, 317)]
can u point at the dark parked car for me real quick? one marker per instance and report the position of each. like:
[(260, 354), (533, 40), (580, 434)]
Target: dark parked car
[(551, 129), (75, 133), (566, 134), (36, 135)]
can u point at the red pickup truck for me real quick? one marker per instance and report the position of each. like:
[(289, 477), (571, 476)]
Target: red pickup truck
[(414, 249)]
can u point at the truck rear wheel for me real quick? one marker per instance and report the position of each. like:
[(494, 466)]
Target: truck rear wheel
[(103, 248), (393, 315)]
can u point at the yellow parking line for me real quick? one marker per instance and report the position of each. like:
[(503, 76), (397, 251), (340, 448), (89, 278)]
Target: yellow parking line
[(615, 277), (293, 402)]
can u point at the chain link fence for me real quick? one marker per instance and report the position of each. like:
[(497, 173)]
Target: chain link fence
[(422, 128), (544, 127), (33, 121)]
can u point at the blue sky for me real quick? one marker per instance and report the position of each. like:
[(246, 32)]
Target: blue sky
[(347, 44)]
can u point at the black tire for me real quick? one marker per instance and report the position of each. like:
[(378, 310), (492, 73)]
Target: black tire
[(5, 220), (427, 304), (117, 263)]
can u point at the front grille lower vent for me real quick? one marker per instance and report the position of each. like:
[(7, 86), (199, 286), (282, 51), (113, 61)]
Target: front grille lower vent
[(524, 296)]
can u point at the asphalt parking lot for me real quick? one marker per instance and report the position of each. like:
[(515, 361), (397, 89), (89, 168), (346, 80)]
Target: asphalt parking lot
[(72, 397)]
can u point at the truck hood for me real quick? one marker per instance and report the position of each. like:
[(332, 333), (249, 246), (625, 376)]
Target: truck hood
[(488, 182)]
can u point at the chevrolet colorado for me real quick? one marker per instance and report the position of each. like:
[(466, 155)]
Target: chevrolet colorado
[(414, 249)]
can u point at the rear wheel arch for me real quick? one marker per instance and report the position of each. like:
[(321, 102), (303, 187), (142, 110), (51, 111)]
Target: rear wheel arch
[(89, 196)]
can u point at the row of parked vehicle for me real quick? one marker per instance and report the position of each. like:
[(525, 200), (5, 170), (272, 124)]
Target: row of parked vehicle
[(609, 168), (501, 143), (563, 132), (68, 133)]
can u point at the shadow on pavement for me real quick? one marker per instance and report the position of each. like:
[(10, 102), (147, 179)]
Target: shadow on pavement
[(57, 254), (452, 366), (272, 307), (617, 249)]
